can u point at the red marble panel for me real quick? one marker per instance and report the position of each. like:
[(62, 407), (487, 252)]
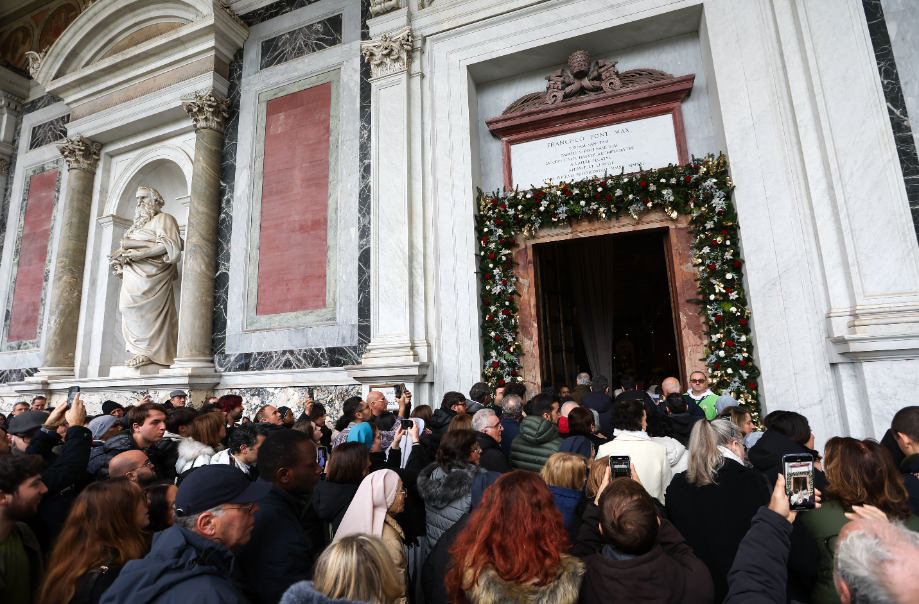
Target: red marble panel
[(33, 254), (293, 241)]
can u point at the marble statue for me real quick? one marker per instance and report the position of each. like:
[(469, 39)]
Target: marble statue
[(146, 263)]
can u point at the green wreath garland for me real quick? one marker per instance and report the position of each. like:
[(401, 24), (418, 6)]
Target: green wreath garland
[(701, 190)]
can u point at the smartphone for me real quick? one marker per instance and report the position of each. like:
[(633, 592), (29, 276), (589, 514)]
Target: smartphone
[(398, 388), (619, 466), (71, 394), (407, 423), (799, 480)]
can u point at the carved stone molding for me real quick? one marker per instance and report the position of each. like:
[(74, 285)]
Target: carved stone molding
[(225, 5), (583, 79), (392, 53), (80, 153), (35, 60), (4, 167), (10, 102), (207, 110), (381, 7)]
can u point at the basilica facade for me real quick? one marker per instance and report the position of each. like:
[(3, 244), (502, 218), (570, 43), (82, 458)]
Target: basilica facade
[(322, 162)]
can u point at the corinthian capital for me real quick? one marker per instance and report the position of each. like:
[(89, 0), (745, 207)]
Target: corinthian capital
[(392, 53), (80, 153), (207, 110)]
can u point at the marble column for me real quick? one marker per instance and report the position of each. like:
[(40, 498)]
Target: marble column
[(196, 308), (82, 157)]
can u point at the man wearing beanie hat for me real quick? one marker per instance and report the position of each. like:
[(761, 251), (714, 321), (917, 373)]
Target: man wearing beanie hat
[(193, 560), (112, 408), (103, 428)]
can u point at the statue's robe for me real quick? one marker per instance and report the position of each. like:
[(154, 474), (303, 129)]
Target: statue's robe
[(150, 322)]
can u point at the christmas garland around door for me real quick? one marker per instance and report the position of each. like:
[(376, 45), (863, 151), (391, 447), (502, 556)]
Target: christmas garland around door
[(701, 190)]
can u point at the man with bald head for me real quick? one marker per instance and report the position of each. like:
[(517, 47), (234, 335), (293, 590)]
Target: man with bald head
[(135, 465), (672, 385), (377, 402)]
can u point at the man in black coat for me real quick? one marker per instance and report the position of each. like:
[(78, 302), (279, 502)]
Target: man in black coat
[(598, 400), (453, 404), (488, 431), (905, 430), (629, 392), (279, 552), (681, 421), (66, 475)]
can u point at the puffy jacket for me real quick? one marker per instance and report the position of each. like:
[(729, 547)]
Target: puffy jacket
[(566, 500), (492, 458), (539, 440), (34, 555), (304, 593), (181, 567), (677, 454), (682, 424), (193, 454), (447, 496), (440, 421)]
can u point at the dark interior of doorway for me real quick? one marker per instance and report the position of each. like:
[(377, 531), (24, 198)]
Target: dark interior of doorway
[(644, 343)]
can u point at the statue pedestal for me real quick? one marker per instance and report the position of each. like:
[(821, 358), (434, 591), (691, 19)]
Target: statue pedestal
[(124, 371)]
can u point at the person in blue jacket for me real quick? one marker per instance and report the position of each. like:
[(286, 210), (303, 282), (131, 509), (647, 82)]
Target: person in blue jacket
[(193, 561)]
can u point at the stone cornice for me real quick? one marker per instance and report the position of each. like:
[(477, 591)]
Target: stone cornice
[(391, 53), (207, 110), (80, 153)]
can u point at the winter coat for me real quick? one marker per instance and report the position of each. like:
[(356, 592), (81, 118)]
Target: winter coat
[(331, 501), (304, 593), (758, 573), (193, 454), (279, 551), (668, 574), (492, 589), (96, 457), (124, 441), (603, 405), (644, 397), (93, 584), (648, 457), (766, 457), (33, 553), (890, 443), (438, 563), (539, 440), (825, 522), (492, 458), (682, 424), (714, 518), (579, 391), (181, 567), (595, 440), (511, 431), (910, 469), (394, 540), (677, 454), (440, 421), (566, 500), (693, 408), (447, 496)]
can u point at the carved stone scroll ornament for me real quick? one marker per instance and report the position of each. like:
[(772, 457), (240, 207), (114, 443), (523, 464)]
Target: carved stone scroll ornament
[(390, 54), (380, 7), (581, 79), (207, 110), (35, 59), (80, 153)]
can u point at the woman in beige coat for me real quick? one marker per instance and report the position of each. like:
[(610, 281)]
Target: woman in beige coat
[(380, 497)]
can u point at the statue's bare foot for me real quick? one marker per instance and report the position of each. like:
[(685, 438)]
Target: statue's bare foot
[(139, 361)]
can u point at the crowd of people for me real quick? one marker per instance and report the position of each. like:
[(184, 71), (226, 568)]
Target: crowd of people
[(498, 497)]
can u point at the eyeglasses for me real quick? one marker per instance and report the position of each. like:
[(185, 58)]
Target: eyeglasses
[(402, 491), (476, 450), (702, 381), (145, 464), (497, 426), (826, 542), (247, 507)]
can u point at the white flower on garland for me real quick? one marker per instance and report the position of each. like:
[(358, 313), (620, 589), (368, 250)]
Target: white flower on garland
[(583, 203), (704, 250), (652, 188), (721, 353), (729, 370), (711, 297), (673, 181), (744, 374), (618, 192), (709, 225), (733, 295), (729, 276)]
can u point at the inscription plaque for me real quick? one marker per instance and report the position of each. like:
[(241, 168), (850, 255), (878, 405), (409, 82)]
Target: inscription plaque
[(631, 146)]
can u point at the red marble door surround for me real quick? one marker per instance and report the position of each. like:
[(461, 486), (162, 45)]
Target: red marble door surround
[(293, 240), (33, 256), (681, 272)]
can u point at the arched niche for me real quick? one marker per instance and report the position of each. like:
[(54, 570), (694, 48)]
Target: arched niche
[(167, 169)]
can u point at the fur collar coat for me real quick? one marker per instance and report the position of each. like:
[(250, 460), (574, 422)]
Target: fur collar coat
[(492, 589)]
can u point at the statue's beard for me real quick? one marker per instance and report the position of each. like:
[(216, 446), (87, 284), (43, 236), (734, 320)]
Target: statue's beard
[(142, 216)]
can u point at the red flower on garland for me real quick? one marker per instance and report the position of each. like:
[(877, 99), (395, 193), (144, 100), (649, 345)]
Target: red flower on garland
[(503, 206), (643, 183), (609, 197), (752, 385), (503, 281), (497, 338), (723, 232), (743, 321), (500, 382), (484, 240), (487, 276), (598, 196), (497, 222), (486, 301), (714, 242), (727, 290), (737, 263), (567, 193), (730, 343), (494, 202), (513, 372), (741, 363), (489, 318), (717, 318), (688, 179), (491, 256), (717, 365), (711, 347), (505, 312), (712, 267), (494, 363)]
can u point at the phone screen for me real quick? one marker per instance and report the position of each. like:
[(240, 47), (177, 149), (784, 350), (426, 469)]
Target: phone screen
[(619, 467), (72, 393), (406, 424), (799, 483)]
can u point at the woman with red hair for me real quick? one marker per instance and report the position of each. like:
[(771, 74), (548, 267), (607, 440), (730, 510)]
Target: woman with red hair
[(513, 548)]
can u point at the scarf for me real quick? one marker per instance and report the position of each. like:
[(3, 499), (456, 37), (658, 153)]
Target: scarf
[(701, 396), (361, 433), (367, 512), (635, 433), (730, 455)]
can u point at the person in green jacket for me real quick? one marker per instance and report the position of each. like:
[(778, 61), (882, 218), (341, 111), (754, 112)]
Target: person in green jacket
[(855, 468), (700, 392), (539, 438)]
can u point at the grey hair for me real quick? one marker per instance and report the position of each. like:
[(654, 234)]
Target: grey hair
[(583, 379), (567, 407), (704, 457), (512, 406), (862, 561), (190, 523), (596, 420), (158, 200), (481, 418)]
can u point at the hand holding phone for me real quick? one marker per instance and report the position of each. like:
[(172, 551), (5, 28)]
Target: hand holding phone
[(71, 393), (620, 466), (798, 470), (407, 424)]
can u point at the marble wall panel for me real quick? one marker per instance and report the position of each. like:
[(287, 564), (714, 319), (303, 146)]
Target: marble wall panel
[(885, 55), (49, 132), (301, 358), (301, 42)]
